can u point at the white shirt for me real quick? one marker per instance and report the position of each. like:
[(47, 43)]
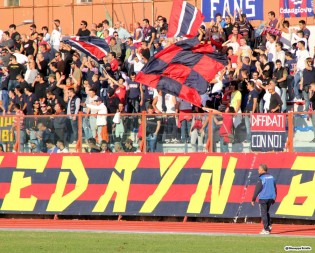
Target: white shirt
[(137, 66), (296, 38), (110, 31), (286, 40), (301, 56), (64, 150), (258, 81), (159, 100), (139, 30), (30, 75), (235, 47), (280, 56), (169, 103), (55, 38), (267, 97), (271, 47), (101, 120), (89, 100), (217, 87), (21, 58)]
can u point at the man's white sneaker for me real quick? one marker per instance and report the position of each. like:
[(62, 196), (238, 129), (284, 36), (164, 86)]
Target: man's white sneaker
[(270, 228), (264, 232)]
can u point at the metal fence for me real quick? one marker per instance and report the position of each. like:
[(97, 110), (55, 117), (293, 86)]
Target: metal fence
[(167, 133)]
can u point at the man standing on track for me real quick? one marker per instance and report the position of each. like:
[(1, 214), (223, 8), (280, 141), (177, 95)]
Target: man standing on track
[(267, 191)]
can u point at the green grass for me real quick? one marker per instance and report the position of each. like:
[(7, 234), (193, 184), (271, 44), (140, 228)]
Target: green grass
[(33, 242)]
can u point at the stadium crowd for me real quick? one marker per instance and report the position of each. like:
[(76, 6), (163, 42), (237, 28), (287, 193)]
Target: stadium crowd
[(41, 75)]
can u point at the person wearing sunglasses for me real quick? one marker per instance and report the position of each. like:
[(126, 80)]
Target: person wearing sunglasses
[(83, 31)]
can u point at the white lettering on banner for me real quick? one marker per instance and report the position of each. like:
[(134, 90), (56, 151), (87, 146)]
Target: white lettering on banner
[(296, 10), (251, 7), (213, 8), (226, 5), (248, 7), (268, 120), (237, 5), (267, 141)]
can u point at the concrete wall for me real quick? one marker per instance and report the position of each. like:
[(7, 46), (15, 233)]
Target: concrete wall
[(70, 12)]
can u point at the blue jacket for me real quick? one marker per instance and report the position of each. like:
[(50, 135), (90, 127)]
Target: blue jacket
[(266, 187)]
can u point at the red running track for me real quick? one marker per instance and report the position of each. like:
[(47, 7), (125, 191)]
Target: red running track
[(154, 227)]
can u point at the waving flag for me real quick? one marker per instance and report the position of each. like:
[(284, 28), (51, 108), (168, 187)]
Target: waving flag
[(183, 69), (92, 46), (185, 20)]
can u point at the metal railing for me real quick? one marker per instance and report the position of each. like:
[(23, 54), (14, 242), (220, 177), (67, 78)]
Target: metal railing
[(167, 133)]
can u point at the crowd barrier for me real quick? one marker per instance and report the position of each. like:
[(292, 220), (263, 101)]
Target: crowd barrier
[(194, 185), (178, 133)]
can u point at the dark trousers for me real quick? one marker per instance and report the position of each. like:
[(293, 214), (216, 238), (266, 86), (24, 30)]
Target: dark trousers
[(60, 132), (265, 205), (171, 128)]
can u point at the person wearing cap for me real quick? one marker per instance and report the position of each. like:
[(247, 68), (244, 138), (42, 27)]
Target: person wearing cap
[(128, 147), (101, 119), (157, 46)]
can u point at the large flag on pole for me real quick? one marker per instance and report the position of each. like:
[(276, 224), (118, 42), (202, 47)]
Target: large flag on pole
[(92, 46), (185, 20), (183, 69)]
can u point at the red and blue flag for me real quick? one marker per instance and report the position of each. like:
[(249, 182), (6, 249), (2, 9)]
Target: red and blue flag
[(185, 20), (92, 46), (183, 69)]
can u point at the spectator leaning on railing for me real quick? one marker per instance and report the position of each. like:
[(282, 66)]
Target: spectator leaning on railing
[(66, 80)]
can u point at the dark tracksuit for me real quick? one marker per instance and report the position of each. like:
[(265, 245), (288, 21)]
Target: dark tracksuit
[(266, 189)]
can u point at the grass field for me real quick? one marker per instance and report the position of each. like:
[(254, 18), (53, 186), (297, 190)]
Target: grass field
[(33, 242)]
